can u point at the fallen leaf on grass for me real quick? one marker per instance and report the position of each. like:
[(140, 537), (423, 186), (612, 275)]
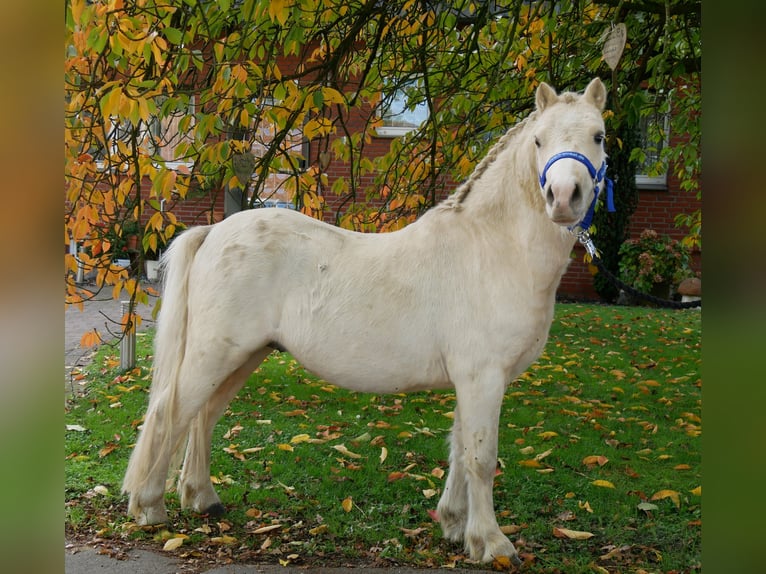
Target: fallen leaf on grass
[(602, 483), (224, 540), (671, 494), (429, 492), (341, 448), (347, 504), (321, 529), (571, 534), (299, 438), (174, 543), (696, 491), (106, 450), (594, 460), (265, 529), (413, 532), (383, 454), (510, 529)]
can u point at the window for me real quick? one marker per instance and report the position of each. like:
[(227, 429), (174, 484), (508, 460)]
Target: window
[(399, 115), (166, 134), (655, 135), (292, 158)]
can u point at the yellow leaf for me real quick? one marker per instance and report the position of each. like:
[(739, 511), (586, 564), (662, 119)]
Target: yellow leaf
[(173, 544), (429, 492), (341, 448), (284, 446), (682, 467), (671, 494), (90, 338), (547, 435), (593, 460), (347, 504), (225, 539), (602, 483), (531, 463), (322, 528), (383, 454), (696, 491), (265, 529), (585, 506), (299, 438), (571, 534)]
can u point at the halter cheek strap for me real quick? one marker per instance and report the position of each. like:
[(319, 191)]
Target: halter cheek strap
[(597, 175)]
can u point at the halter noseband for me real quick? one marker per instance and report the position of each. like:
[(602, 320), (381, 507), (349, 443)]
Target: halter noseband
[(597, 175)]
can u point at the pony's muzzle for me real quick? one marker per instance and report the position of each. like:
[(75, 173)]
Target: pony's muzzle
[(565, 201)]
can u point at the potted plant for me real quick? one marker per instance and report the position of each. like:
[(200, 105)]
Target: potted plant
[(654, 263)]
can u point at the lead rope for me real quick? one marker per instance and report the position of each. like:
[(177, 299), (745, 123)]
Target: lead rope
[(584, 238)]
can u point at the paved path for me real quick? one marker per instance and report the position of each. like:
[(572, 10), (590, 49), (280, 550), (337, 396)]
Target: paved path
[(101, 313)]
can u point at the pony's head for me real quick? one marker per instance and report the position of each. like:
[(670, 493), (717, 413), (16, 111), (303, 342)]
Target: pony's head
[(569, 140)]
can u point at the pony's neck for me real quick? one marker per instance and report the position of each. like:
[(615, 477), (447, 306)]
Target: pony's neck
[(506, 198)]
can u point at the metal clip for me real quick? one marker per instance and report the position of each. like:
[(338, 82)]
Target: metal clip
[(584, 238)]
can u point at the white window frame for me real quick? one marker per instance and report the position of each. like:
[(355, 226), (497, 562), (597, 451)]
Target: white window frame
[(660, 181), (396, 106)]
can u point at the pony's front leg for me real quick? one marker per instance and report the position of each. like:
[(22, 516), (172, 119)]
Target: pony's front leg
[(452, 509), (479, 402)]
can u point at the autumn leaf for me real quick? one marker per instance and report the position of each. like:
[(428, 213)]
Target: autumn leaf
[(223, 540), (341, 448), (174, 543), (347, 504), (696, 491), (90, 338), (265, 529), (383, 454), (594, 460), (602, 483), (571, 534), (671, 494)]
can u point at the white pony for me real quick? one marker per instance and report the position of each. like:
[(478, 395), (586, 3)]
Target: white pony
[(461, 298)]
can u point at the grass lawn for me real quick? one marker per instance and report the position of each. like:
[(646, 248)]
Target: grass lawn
[(599, 464)]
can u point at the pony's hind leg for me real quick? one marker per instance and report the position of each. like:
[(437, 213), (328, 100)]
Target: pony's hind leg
[(194, 485), (452, 509)]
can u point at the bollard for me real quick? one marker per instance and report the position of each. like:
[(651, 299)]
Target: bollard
[(128, 342)]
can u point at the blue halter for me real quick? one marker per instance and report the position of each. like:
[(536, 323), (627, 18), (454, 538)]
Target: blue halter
[(598, 177)]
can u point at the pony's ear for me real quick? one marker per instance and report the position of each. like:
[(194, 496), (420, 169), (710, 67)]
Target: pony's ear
[(544, 96), (595, 93)]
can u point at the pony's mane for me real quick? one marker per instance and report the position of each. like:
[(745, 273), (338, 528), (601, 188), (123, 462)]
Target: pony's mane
[(455, 200)]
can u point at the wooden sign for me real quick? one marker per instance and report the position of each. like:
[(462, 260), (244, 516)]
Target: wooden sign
[(614, 44), (243, 165)]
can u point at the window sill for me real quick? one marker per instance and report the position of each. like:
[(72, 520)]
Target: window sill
[(393, 131)]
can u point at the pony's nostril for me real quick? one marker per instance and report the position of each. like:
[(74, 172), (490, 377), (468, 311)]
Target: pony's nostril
[(576, 194), (549, 196)]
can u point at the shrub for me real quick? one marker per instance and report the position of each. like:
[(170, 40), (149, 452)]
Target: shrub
[(653, 260)]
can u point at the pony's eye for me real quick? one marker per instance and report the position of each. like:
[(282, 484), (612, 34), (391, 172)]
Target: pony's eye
[(537, 142), (598, 138)]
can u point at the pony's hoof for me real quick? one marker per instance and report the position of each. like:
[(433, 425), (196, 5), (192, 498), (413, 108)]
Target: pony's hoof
[(150, 517), (215, 510)]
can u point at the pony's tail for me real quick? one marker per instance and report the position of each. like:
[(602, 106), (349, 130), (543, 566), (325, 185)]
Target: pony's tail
[(169, 350)]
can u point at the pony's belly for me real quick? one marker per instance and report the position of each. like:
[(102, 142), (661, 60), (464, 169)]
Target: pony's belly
[(375, 373)]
